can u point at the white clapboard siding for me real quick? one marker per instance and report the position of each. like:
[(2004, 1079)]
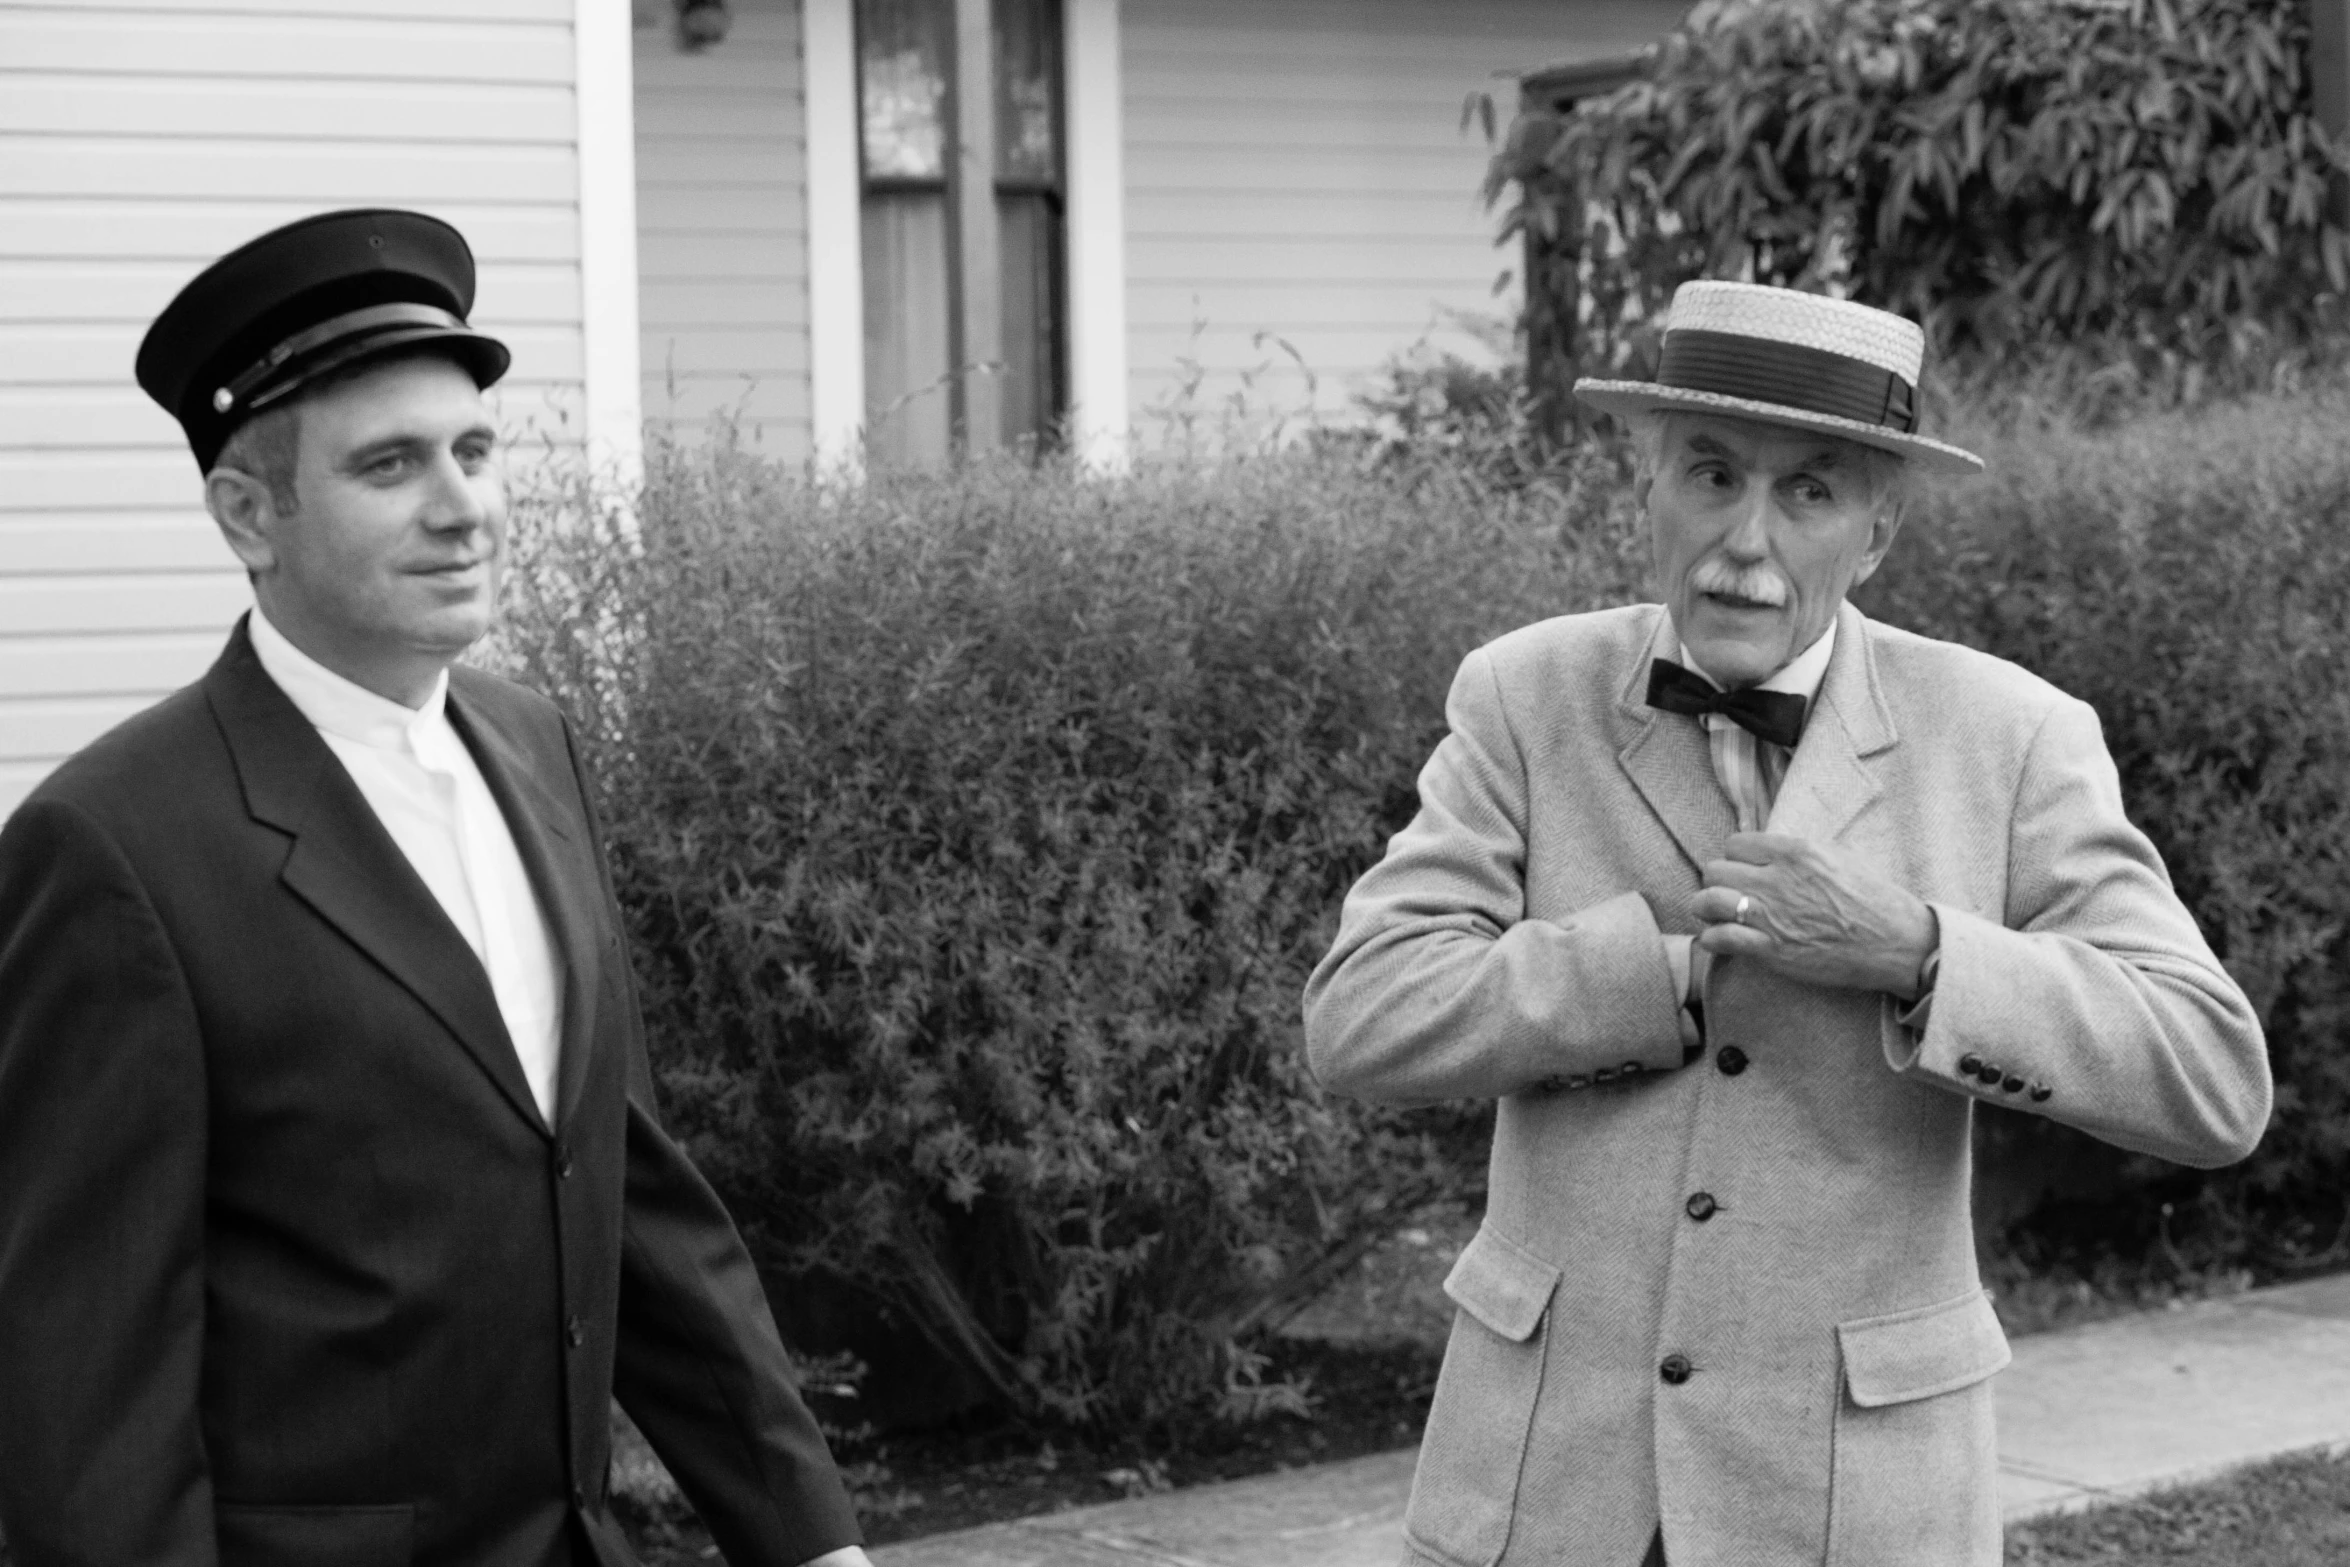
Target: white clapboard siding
[(139, 139), (1301, 200), (722, 244)]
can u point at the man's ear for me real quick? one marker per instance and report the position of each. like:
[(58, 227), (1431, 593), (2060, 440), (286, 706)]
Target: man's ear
[(1881, 535), (247, 516)]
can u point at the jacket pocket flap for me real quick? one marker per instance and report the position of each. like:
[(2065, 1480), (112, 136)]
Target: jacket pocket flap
[(1923, 1351), (1502, 1285)]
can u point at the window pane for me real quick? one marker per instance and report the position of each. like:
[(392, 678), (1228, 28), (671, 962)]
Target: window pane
[(1028, 89), (903, 58), (1033, 398), (906, 398)]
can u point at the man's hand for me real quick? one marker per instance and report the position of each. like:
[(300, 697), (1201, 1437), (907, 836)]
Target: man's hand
[(1816, 913)]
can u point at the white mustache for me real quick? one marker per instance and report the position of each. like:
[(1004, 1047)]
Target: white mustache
[(1755, 584)]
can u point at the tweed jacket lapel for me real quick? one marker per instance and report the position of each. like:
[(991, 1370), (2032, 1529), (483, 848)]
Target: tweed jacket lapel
[(558, 858), (1831, 779), (1668, 757), (344, 865)]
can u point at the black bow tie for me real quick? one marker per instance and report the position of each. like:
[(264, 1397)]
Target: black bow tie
[(1776, 716)]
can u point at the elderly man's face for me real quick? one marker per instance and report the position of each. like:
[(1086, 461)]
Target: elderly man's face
[(1758, 532)]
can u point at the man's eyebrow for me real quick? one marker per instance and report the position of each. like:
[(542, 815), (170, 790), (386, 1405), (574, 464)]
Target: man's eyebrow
[(408, 441)]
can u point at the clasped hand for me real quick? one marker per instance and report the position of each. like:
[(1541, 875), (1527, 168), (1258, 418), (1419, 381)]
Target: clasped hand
[(1815, 912)]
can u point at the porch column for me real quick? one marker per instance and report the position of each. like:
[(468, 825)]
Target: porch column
[(836, 263)]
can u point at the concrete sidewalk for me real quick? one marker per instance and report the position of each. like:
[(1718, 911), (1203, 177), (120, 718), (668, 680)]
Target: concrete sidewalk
[(2086, 1415)]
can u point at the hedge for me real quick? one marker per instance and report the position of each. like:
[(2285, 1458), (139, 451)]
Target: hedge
[(977, 831)]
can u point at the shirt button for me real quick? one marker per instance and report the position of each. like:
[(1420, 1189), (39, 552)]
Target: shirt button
[(1970, 1064), (1674, 1369), (2040, 1093), (1731, 1060), (1631, 1069), (1988, 1073), (2011, 1084), (1605, 1074), (575, 1331), (1701, 1206)]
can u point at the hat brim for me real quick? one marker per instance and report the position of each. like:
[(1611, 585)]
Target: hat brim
[(1636, 397), (483, 357)]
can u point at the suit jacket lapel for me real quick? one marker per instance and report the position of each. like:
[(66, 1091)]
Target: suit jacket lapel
[(346, 867), (1669, 759), (556, 854), (1830, 781)]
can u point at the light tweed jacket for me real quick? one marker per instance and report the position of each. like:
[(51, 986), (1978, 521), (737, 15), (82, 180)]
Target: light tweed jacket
[(1838, 1342)]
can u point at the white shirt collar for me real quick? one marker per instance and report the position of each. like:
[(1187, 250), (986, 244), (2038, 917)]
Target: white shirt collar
[(337, 706), (1802, 674)]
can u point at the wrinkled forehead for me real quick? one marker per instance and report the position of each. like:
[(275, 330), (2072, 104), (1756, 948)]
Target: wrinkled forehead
[(1757, 443)]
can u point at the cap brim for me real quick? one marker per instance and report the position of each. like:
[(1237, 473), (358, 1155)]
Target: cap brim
[(483, 357), (1634, 397)]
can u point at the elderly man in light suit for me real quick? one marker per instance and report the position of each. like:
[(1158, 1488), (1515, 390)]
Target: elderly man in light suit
[(1736, 906)]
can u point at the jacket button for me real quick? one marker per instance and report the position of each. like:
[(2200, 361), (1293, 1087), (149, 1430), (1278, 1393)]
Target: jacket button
[(578, 1500), (1970, 1064), (1674, 1369), (2040, 1093), (1731, 1060), (2011, 1084), (563, 1161), (1605, 1074), (1552, 1084), (1701, 1206), (575, 1331), (1630, 1069), (1578, 1081)]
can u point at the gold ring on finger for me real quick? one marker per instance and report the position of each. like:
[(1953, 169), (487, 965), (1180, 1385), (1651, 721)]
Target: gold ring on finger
[(1744, 903)]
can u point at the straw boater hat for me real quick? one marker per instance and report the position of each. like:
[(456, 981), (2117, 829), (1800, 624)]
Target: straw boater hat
[(1789, 358)]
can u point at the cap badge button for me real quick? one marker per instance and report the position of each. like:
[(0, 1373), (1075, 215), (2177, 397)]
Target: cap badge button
[(222, 399)]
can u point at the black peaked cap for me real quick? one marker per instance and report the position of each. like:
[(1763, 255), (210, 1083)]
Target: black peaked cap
[(303, 301)]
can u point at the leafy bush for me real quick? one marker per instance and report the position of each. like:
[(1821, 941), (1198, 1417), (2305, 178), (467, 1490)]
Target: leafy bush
[(2146, 175), (977, 833), (2188, 575)]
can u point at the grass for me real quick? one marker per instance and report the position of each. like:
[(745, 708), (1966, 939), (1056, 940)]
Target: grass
[(2291, 1512)]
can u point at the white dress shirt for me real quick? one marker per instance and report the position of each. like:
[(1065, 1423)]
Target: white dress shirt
[(1750, 769), (424, 787)]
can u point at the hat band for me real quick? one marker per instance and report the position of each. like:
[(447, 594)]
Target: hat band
[(337, 332), (1765, 370)]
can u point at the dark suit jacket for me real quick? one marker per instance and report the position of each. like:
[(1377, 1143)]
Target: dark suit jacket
[(291, 1269)]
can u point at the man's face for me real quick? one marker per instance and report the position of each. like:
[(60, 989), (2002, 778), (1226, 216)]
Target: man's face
[(1758, 532), (389, 566)]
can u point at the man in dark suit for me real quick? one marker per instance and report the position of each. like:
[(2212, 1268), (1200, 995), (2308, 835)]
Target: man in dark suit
[(334, 1206)]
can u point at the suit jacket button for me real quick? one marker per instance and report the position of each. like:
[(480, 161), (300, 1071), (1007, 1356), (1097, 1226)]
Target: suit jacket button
[(1552, 1084), (1674, 1369), (563, 1161), (578, 1500), (1701, 1206), (1731, 1060), (1605, 1074), (2040, 1093), (575, 1331), (1971, 1064), (1578, 1081), (1630, 1069)]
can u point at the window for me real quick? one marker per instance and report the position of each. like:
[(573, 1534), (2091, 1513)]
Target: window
[(965, 286)]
